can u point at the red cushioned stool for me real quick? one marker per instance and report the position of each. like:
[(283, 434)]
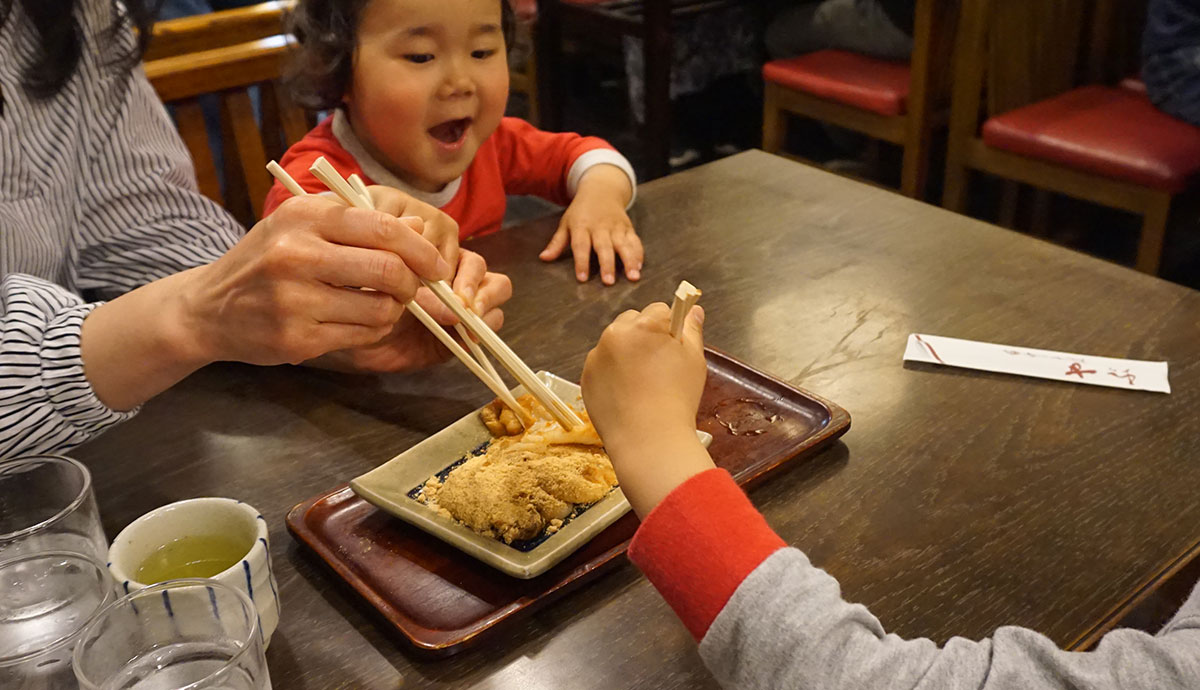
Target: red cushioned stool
[(896, 102), (1104, 144), (878, 86), (1108, 131)]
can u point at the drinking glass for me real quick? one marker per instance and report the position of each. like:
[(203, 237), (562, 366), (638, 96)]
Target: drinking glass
[(45, 601), (195, 633), (47, 504)]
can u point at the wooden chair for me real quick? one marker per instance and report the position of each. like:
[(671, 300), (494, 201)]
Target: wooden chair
[(1104, 144), (230, 72), (217, 29), (899, 103), (608, 21)]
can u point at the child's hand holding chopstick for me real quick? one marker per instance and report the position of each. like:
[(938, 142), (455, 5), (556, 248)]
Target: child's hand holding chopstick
[(642, 388)]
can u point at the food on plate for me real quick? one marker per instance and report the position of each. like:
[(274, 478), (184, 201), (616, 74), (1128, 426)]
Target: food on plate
[(527, 481)]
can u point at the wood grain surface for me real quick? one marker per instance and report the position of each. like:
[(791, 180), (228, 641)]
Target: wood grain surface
[(960, 501)]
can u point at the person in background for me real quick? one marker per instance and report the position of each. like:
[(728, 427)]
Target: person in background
[(879, 28), (1171, 57), (715, 57), (763, 614), (419, 89), (98, 201)]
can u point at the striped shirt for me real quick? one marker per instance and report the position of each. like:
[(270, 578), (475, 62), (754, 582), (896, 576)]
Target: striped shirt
[(97, 197)]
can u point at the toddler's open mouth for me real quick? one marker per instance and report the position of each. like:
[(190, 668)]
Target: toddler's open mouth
[(450, 132)]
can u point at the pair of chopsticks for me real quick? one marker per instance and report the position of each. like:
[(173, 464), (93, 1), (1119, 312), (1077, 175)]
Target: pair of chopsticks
[(355, 193)]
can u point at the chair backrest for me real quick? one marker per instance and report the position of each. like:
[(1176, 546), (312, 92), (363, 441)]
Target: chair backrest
[(247, 142), (1033, 50), (218, 29), (1115, 50), (1010, 53)]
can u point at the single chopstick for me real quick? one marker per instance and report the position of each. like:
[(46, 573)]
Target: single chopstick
[(686, 296), (562, 413), (288, 182), (358, 185), (490, 378)]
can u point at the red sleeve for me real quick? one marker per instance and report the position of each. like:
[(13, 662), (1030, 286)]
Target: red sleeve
[(300, 157), (537, 162), (699, 543)]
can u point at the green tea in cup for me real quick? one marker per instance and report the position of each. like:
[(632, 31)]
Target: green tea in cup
[(219, 538), (191, 556)]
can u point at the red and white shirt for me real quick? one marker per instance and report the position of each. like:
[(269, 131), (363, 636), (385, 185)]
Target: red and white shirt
[(517, 158)]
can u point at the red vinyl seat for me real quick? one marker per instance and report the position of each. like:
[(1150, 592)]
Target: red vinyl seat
[(1109, 131), (879, 86)]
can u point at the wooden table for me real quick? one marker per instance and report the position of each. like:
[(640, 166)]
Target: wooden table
[(958, 501)]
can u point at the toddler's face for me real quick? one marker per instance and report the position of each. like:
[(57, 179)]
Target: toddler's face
[(430, 83)]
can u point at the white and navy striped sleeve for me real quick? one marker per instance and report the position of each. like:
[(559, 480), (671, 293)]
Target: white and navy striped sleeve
[(96, 193), (47, 402), (141, 216)]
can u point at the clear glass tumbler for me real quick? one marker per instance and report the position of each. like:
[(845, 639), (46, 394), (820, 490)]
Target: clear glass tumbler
[(47, 504), (197, 634), (45, 601)]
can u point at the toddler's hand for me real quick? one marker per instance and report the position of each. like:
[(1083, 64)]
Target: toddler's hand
[(642, 389), (596, 219)]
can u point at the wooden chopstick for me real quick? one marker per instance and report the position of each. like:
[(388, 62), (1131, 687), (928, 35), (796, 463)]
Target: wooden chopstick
[(489, 377), (562, 413), (358, 185), (686, 296), (288, 182), (523, 415)]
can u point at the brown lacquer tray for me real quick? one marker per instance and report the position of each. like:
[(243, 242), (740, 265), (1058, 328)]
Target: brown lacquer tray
[(442, 600)]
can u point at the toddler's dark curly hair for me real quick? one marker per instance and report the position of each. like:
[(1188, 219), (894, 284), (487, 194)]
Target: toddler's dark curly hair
[(326, 32)]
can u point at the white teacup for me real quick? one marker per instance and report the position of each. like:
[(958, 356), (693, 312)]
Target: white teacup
[(232, 520)]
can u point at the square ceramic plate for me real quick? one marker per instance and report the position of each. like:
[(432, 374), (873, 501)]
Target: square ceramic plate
[(389, 486)]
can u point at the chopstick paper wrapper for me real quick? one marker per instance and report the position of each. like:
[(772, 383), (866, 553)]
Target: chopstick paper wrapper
[(1131, 374)]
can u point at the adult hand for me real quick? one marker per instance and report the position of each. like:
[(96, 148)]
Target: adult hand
[(410, 345), (288, 292), (439, 228)]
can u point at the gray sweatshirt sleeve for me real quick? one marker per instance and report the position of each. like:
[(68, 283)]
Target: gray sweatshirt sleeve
[(787, 626)]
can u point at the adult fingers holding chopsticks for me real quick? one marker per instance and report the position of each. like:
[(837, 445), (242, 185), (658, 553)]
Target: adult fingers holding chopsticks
[(281, 294), (410, 345)]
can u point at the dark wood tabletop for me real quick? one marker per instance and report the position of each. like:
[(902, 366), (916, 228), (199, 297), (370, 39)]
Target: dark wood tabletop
[(958, 502)]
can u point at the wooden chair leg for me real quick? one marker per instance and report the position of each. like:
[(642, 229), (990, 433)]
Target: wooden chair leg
[(1010, 200), (914, 170), (774, 121), (547, 42), (1042, 202), (656, 50), (954, 196), (1154, 231), (531, 69)]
